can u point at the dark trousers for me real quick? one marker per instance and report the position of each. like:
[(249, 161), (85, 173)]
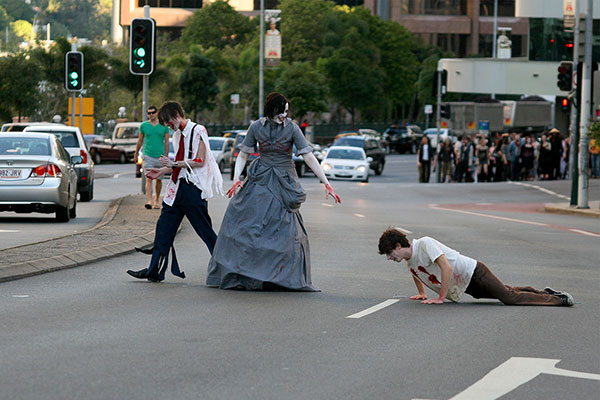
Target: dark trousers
[(485, 285), (424, 171), (188, 202)]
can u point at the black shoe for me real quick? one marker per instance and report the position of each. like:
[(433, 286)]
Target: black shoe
[(566, 299), (143, 274)]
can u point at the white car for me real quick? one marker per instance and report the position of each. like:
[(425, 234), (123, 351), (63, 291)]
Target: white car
[(220, 147), (72, 139), (445, 133), (347, 163)]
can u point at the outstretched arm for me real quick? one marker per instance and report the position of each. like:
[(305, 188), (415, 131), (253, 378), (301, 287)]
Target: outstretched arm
[(240, 163), (446, 269), (420, 288), (313, 164)]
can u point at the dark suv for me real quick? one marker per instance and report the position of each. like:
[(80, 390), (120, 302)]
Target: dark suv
[(403, 139), (370, 145)]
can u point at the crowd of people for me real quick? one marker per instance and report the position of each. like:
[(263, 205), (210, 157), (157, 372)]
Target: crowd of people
[(501, 157)]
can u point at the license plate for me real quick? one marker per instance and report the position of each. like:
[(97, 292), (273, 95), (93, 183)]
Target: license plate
[(10, 173)]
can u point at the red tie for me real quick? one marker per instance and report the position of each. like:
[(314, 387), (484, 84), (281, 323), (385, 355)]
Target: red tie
[(178, 157)]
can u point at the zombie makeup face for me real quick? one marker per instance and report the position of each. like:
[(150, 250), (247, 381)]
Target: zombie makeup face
[(279, 118)]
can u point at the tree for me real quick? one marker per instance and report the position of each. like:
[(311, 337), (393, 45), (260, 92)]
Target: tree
[(83, 18), (19, 85), (17, 9), (198, 84), (305, 87), (22, 29), (217, 25), (354, 76), (303, 28)]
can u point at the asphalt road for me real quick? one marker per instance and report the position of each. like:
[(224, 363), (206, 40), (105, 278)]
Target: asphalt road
[(95, 333)]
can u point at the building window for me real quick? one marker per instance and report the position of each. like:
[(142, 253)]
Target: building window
[(506, 8), (548, 41), (434, 7), (171, 3)]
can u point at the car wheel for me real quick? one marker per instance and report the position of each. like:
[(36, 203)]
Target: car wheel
[(62, 213), (73, 211), (97, 157), (222, 165), (413, 148), (301, 170), (379, 169), (122, 158), (366, 180), (89, 194)]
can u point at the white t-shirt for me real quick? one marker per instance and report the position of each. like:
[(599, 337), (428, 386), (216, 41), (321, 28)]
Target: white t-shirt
[(422, 265)]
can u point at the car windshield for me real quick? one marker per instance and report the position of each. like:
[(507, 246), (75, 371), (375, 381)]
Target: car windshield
[(239, 139), (24, 146), (67, 138), (130, 132), (216, 144), (349, 141), (345, 154)]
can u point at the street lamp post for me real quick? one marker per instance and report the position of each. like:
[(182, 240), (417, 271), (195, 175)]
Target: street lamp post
[(261, 68)]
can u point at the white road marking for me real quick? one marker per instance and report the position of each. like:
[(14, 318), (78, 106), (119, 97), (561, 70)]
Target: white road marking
[(8, 231), (550, 192), (403, 230), (373, 309), (20, 296), (326, 205), (522, 221), (513, 373), (116, 176), (359, 215), (585, 233)]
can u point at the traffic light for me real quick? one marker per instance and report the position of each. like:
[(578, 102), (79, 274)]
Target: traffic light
[(434, 87), (445, 111), (141, 46), (74, 71), (564, 104), (565, 76)]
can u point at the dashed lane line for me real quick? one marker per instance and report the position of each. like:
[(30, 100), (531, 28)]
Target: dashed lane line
[(373, 309), (541, 189)]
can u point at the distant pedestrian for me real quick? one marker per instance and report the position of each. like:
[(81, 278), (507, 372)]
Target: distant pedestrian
[(595, 157), (527, 158), (450, 274), (465, 161), (482, 160), (545, 159), (499, 163), (195, 177), (424, 156), (154, 141), (446, 158)]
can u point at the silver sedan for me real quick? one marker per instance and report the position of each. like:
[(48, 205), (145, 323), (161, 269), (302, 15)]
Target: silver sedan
[(37, 174)]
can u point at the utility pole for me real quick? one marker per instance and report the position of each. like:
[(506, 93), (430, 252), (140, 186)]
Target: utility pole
[(573, 170), (261, 68), (584, 109), (73, 48), (438, 116), (145, 78)]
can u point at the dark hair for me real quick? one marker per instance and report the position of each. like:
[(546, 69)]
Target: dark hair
[(275, 104), (152, 107), (390, 238), (168, 111)]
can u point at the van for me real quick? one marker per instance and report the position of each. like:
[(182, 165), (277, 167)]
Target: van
[(125, 135)]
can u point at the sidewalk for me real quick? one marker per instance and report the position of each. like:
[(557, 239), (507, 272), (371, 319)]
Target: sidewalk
[(125, 225), (566, 208)]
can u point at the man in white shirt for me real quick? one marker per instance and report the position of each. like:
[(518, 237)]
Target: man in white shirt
[(194, 176), (450, 274)]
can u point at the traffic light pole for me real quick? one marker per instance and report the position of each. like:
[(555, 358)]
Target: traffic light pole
[(145, 78), (438, 117), (73, 48), (261, 67), (573, 150)]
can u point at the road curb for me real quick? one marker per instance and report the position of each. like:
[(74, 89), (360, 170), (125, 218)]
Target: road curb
[(567, 209), (72, 259)]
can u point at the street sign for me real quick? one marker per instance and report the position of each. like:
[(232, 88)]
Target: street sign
[(235, 98), (428, 109), (569, 14)]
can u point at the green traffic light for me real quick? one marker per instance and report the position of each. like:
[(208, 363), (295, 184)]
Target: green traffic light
[(140, 52), (74, 75)]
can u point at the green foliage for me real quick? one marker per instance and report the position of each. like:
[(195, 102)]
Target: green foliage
[(18, 9), (217, 25), (198, 84), (22, 29), (4, 19), (82, 18), (19, 85), (305, 87)]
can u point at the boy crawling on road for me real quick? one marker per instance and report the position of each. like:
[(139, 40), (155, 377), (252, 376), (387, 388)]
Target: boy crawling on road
[(450, 274)]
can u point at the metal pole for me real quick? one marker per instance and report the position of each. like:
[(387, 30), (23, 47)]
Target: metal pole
[(145, 78), (573, 150), (439, 115), (494, 38), (80, 111), (261, 68), (584, 109), (73, 48)]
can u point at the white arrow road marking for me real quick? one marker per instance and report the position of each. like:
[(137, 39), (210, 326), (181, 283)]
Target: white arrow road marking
[(359, 215), (20, 296), (513, 373), (326, 205), (373, 309), (8, 231)]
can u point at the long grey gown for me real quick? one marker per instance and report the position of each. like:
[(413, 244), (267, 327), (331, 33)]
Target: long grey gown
[(262, 243)]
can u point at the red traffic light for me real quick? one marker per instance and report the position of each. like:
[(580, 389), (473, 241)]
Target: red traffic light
[(565, 102)]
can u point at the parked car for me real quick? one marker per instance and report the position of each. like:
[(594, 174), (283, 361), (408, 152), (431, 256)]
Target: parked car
[(299, 163), (37, 174), (445, 133), (220, 148), (403, 139), (371, 146), (126, 135), (239, 138), (72, 140), (102, 149), (346, 162), (20, 126), (231, 133)]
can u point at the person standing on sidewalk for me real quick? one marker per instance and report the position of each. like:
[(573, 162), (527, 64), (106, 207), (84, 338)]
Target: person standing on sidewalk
[(154, 139), (195, 176), (424, 156), (450, 274)]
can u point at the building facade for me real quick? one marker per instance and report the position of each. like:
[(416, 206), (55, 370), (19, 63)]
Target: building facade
[(464, 27)]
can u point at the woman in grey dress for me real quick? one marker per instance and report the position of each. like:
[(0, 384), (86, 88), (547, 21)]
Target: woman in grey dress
[(262, 243)]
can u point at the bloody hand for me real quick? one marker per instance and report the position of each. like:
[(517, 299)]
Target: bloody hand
[(231, 192), (333, 194)]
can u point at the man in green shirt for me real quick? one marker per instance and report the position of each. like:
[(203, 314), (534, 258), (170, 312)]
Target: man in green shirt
[(154, 138)]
